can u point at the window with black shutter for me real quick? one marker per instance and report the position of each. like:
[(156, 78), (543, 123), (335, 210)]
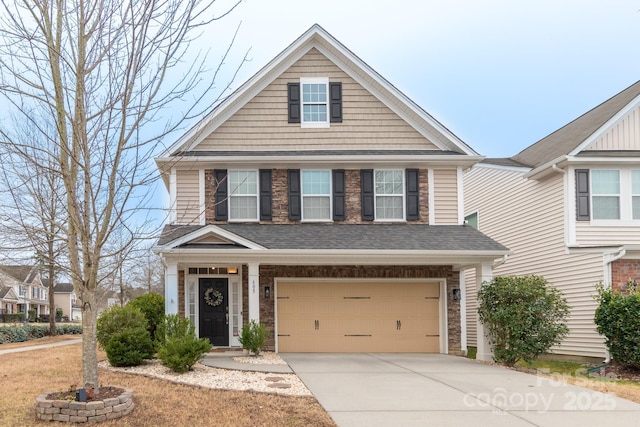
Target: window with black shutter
[(413, 194), (582, 195), (368, 194), (265, 195), (338, 195), (295, 202), (221, 195)]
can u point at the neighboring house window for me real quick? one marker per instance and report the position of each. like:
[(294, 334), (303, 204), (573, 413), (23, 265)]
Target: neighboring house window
[(35, 293), (316, 195), (635, 194), (23, 291), (472, 220), (605, 194), (243, 195), (389, 194)]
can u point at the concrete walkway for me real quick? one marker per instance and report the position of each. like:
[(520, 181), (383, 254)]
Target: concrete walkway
[(431, 389), (224, 360), (40, 346)]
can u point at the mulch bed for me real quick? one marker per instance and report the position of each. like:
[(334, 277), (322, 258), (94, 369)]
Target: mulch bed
[(618, 372), (105, 393)]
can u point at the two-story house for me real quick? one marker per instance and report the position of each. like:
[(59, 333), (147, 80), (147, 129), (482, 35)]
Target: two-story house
[(321, 201), (65, 298), (568, 207), (28, 285)]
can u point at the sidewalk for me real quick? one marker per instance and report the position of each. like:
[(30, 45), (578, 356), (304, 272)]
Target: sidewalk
[(40, 346)]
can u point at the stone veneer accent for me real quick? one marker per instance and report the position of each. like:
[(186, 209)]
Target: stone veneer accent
[(84, 412), (624, 271), (280, 198), (270, 272)]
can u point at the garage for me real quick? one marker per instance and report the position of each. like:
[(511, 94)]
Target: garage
[(358, 316)]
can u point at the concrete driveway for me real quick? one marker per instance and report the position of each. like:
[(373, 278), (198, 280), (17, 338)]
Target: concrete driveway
[(438, 390)]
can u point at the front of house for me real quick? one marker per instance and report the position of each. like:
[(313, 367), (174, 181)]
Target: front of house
[(322, 202), (23, 290)]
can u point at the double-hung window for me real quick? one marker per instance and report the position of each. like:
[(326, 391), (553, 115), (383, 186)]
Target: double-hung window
[(315, 101), (389, 195), (316, 195), (605, 190), (243, 195), (635, 194)]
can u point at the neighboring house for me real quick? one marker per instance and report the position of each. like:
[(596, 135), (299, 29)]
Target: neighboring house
[(8, 297), (65, 298), (320, 200), (568, 207), (28, 285)]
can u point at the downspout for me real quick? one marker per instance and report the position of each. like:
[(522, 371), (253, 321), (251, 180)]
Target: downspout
[(500, 261), (557, 169), (608, 260)]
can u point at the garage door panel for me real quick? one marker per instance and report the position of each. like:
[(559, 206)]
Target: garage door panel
[(358, 317)]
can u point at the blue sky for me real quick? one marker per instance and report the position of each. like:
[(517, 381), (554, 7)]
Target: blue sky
[(500, 74)]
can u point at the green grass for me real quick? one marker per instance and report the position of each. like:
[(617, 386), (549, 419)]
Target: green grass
[(471, 352), (555, 366)]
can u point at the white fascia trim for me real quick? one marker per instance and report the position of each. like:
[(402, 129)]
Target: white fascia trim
[(606, 250), (209, 229), (607, 126)]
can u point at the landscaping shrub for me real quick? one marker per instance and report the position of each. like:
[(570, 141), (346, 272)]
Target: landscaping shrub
[(253, 336), (152, 306), (59, 314), (129, 347), (13, 334), (9, 334), (13, 317), (178, 347), (523, 317), (116, 319), (69, 329), (618, 319)]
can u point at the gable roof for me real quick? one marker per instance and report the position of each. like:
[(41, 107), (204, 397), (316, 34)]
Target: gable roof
[(565, 140), (316, 37), (22, 273)]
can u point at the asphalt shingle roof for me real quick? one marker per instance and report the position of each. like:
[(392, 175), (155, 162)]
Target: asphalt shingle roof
[(63, 288), (353, 236)]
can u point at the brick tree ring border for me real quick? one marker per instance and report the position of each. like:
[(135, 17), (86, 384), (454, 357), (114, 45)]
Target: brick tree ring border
[(70, 411)]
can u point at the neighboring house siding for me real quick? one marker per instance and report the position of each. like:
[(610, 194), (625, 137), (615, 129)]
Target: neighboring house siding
[(527, 216), (262, 123), (593, 235), (623, 135), (187, 197), (446, 196)]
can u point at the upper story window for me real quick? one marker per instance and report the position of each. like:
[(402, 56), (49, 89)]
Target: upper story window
[(23, 290), (389, 194), (635, 194), (605, 191), (243, 195), (315, 96), (314, 102), (316, 195), (35, 293)]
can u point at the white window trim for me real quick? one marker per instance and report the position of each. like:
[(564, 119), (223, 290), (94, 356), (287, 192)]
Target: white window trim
[(625, 199), (230, 195), (404, 197), (314, 80), (302, 196)]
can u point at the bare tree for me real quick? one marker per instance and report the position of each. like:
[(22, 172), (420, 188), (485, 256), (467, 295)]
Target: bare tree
[(101, 73)]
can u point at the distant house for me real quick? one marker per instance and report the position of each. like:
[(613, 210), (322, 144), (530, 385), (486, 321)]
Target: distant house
[(27, 286), (568, 207), (321, 201), (65, 298)]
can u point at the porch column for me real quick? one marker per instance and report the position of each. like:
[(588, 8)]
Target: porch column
[(171, 288), (254, 292), (484, 273)]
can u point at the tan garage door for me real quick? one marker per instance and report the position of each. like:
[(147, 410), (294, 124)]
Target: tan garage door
[(358, 317)]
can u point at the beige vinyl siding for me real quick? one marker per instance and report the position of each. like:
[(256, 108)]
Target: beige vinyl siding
[(445, 191), (367, 123), (594, 235), (472, 306), (527, 216), (624, 135), (187, 197)]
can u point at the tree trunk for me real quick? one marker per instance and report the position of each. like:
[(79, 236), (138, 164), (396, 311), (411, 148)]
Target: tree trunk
[(89, 342)]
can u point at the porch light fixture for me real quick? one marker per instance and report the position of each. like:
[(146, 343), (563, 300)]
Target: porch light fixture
[(232, 270), (455, 294), (267, 292)]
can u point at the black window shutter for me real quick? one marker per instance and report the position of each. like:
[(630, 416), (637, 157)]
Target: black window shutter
[(335, 96), (221, 195), (338, 195), (293, 90), (265, 194), (295, 201), (582, 195), (366, 188), (413, 195)]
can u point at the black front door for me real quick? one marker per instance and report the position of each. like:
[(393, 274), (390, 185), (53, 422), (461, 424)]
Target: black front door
[(214, 311)]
